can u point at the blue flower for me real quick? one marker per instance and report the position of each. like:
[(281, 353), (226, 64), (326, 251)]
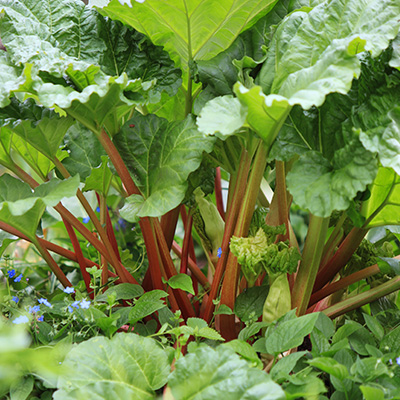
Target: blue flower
[(45, 302), (98, 209), (69, 289), (18, 278), (34, 309), (219, 252), (85, 303), (398, 360), (70, 309), (11, 273), (86, 220), (75, 304), (40, 319), (23, 319), (15, 299)]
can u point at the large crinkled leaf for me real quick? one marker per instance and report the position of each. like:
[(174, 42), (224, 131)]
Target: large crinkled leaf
[(160, 155), (101, 102), (22, 208), (12, 78), (322, 186), (84, 151), (127, 366), (214, 374), (379, 125), (129, 51), (190, 30), (42, 128), (51, 35), (383, 206), (361, 116), (313, 54), (63, 37), (221, 72)]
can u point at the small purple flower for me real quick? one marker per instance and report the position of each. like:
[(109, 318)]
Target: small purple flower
[(69, 289), (86, 220), (40, 319), (18, 278), (219, 252), (70, 309), (398, 360), (11, 273), (15, 299), (34, 309), (98, 209), (85, 304), (21, 320), (45, 302)]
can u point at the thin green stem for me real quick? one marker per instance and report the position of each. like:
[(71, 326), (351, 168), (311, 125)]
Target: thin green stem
[(363, 298), (309, 265), (333, 241)]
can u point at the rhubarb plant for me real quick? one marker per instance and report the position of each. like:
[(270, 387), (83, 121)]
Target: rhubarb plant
[(141, 110)]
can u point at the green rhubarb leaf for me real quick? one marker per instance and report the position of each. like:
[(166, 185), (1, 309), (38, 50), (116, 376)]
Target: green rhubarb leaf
[(84, 151), (160, 155), (383, 206), (217, 373), (100, 178), (224, 70), (395, 60), (100, 102), (42, 128), (5, 147), (12, 78), (22, 208), (131, 52), (51, 35), (222, 116), (380, 129), (126, 366), (34, 158), (366, 115), (265, 114), (322, 186), (189, 30), (307, 62)]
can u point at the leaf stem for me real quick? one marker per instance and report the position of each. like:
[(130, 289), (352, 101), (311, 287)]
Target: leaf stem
[(51, 263), (232, 214), (112, 258), (341, 257), (359, 300), (229, 286), (344, 283), (309, 264)]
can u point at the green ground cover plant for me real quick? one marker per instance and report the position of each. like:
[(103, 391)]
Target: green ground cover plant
[(210, 196)]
